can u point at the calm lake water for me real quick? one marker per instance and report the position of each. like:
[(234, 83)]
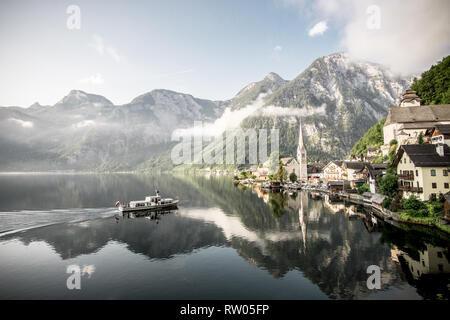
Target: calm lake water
[(224, 242)]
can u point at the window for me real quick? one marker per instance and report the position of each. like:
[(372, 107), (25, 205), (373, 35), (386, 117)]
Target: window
[(445, 185), (417, 173), (433, 173), (434, 185), (439, 254), (445, 172), (441, 267)]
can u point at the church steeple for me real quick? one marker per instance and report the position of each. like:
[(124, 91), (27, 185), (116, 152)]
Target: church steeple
[(301, 156)]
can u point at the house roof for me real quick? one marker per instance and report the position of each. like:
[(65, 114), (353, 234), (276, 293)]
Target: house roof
[(424, 155), (356, 165), (442, 128), (434, 113), (378, 198), (447, 196)]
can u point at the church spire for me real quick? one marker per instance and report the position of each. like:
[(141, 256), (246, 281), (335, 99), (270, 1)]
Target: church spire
[(301, 155)]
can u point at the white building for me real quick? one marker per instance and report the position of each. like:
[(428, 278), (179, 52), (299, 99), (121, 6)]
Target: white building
[(301, 157)]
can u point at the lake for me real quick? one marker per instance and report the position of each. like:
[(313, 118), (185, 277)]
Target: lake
[(224, 242)]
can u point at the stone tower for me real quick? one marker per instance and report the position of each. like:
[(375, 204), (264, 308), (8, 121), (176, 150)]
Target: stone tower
[(301, 156)]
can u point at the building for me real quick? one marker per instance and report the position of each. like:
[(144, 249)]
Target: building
[(333, 171), (371, 171), (410, 99), (301, 157), (291, 166), (423, 170), (408, 121), (405, 124), (315, 172), (439, 134), (262, 173), (353, 170), (372, 153)]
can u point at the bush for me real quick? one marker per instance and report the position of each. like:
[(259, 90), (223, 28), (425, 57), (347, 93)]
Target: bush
[(435, 209), (392, 142), (387, 203), (396, 203), (417, 213), (412, 203), (363, 188), (293, 177)]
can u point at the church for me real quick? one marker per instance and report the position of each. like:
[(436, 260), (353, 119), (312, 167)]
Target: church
[(297, 165)]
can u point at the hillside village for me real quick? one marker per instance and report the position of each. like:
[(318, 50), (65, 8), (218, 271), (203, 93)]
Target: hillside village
[(412, 180)]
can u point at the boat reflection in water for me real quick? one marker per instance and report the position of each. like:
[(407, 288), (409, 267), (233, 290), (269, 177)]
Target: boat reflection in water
[(224, 242)]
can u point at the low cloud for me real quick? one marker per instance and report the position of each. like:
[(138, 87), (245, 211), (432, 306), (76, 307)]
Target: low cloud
[(318, 29), (84, 123), (232, 119), (22, 123), (278, 48), (272, 111)]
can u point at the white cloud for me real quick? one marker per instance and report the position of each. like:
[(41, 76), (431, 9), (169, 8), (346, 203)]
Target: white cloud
[(84, 123), (411, 36), (278, 48), (22, 123), (318, 29), (95, 79), (99, 45), (270, 111)]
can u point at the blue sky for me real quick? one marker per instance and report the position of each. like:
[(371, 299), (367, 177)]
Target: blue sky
[(210, 49)]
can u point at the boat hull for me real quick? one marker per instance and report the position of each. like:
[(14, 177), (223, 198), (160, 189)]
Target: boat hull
[(160, 207)]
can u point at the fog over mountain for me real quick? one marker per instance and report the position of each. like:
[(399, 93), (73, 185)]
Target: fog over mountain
[(338, 97)]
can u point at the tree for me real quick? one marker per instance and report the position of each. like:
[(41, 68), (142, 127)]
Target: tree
[(388, 183), (420, 138), (363, 188), (274, 159), (293, 177), (281, 174), (434, 85)]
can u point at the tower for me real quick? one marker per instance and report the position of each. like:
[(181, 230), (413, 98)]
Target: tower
[(410, 99), (301, 156)]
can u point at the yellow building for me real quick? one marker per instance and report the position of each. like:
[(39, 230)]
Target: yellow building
[(423, 170)]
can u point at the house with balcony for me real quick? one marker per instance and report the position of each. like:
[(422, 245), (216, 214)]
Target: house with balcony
[(423, 170), (333, 171)]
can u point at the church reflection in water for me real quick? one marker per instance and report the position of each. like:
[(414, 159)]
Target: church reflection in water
[(330, 242)]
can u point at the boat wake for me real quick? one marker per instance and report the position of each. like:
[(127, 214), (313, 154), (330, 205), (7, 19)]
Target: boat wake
[(16, 221)]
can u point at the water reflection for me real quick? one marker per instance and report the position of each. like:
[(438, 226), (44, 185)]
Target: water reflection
[(330, 242)]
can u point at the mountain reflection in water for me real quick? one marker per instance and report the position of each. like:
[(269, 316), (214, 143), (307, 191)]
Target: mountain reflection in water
[(300, 237)]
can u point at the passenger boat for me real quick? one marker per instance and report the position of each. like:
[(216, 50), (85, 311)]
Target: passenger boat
[(151, 203)]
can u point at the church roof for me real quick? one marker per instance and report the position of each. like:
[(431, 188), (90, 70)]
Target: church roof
[(436, 113), (286, 161)]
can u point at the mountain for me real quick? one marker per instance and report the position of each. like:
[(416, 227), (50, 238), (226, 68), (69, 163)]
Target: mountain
[(338, 98), (271, 83), (85, 131)]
